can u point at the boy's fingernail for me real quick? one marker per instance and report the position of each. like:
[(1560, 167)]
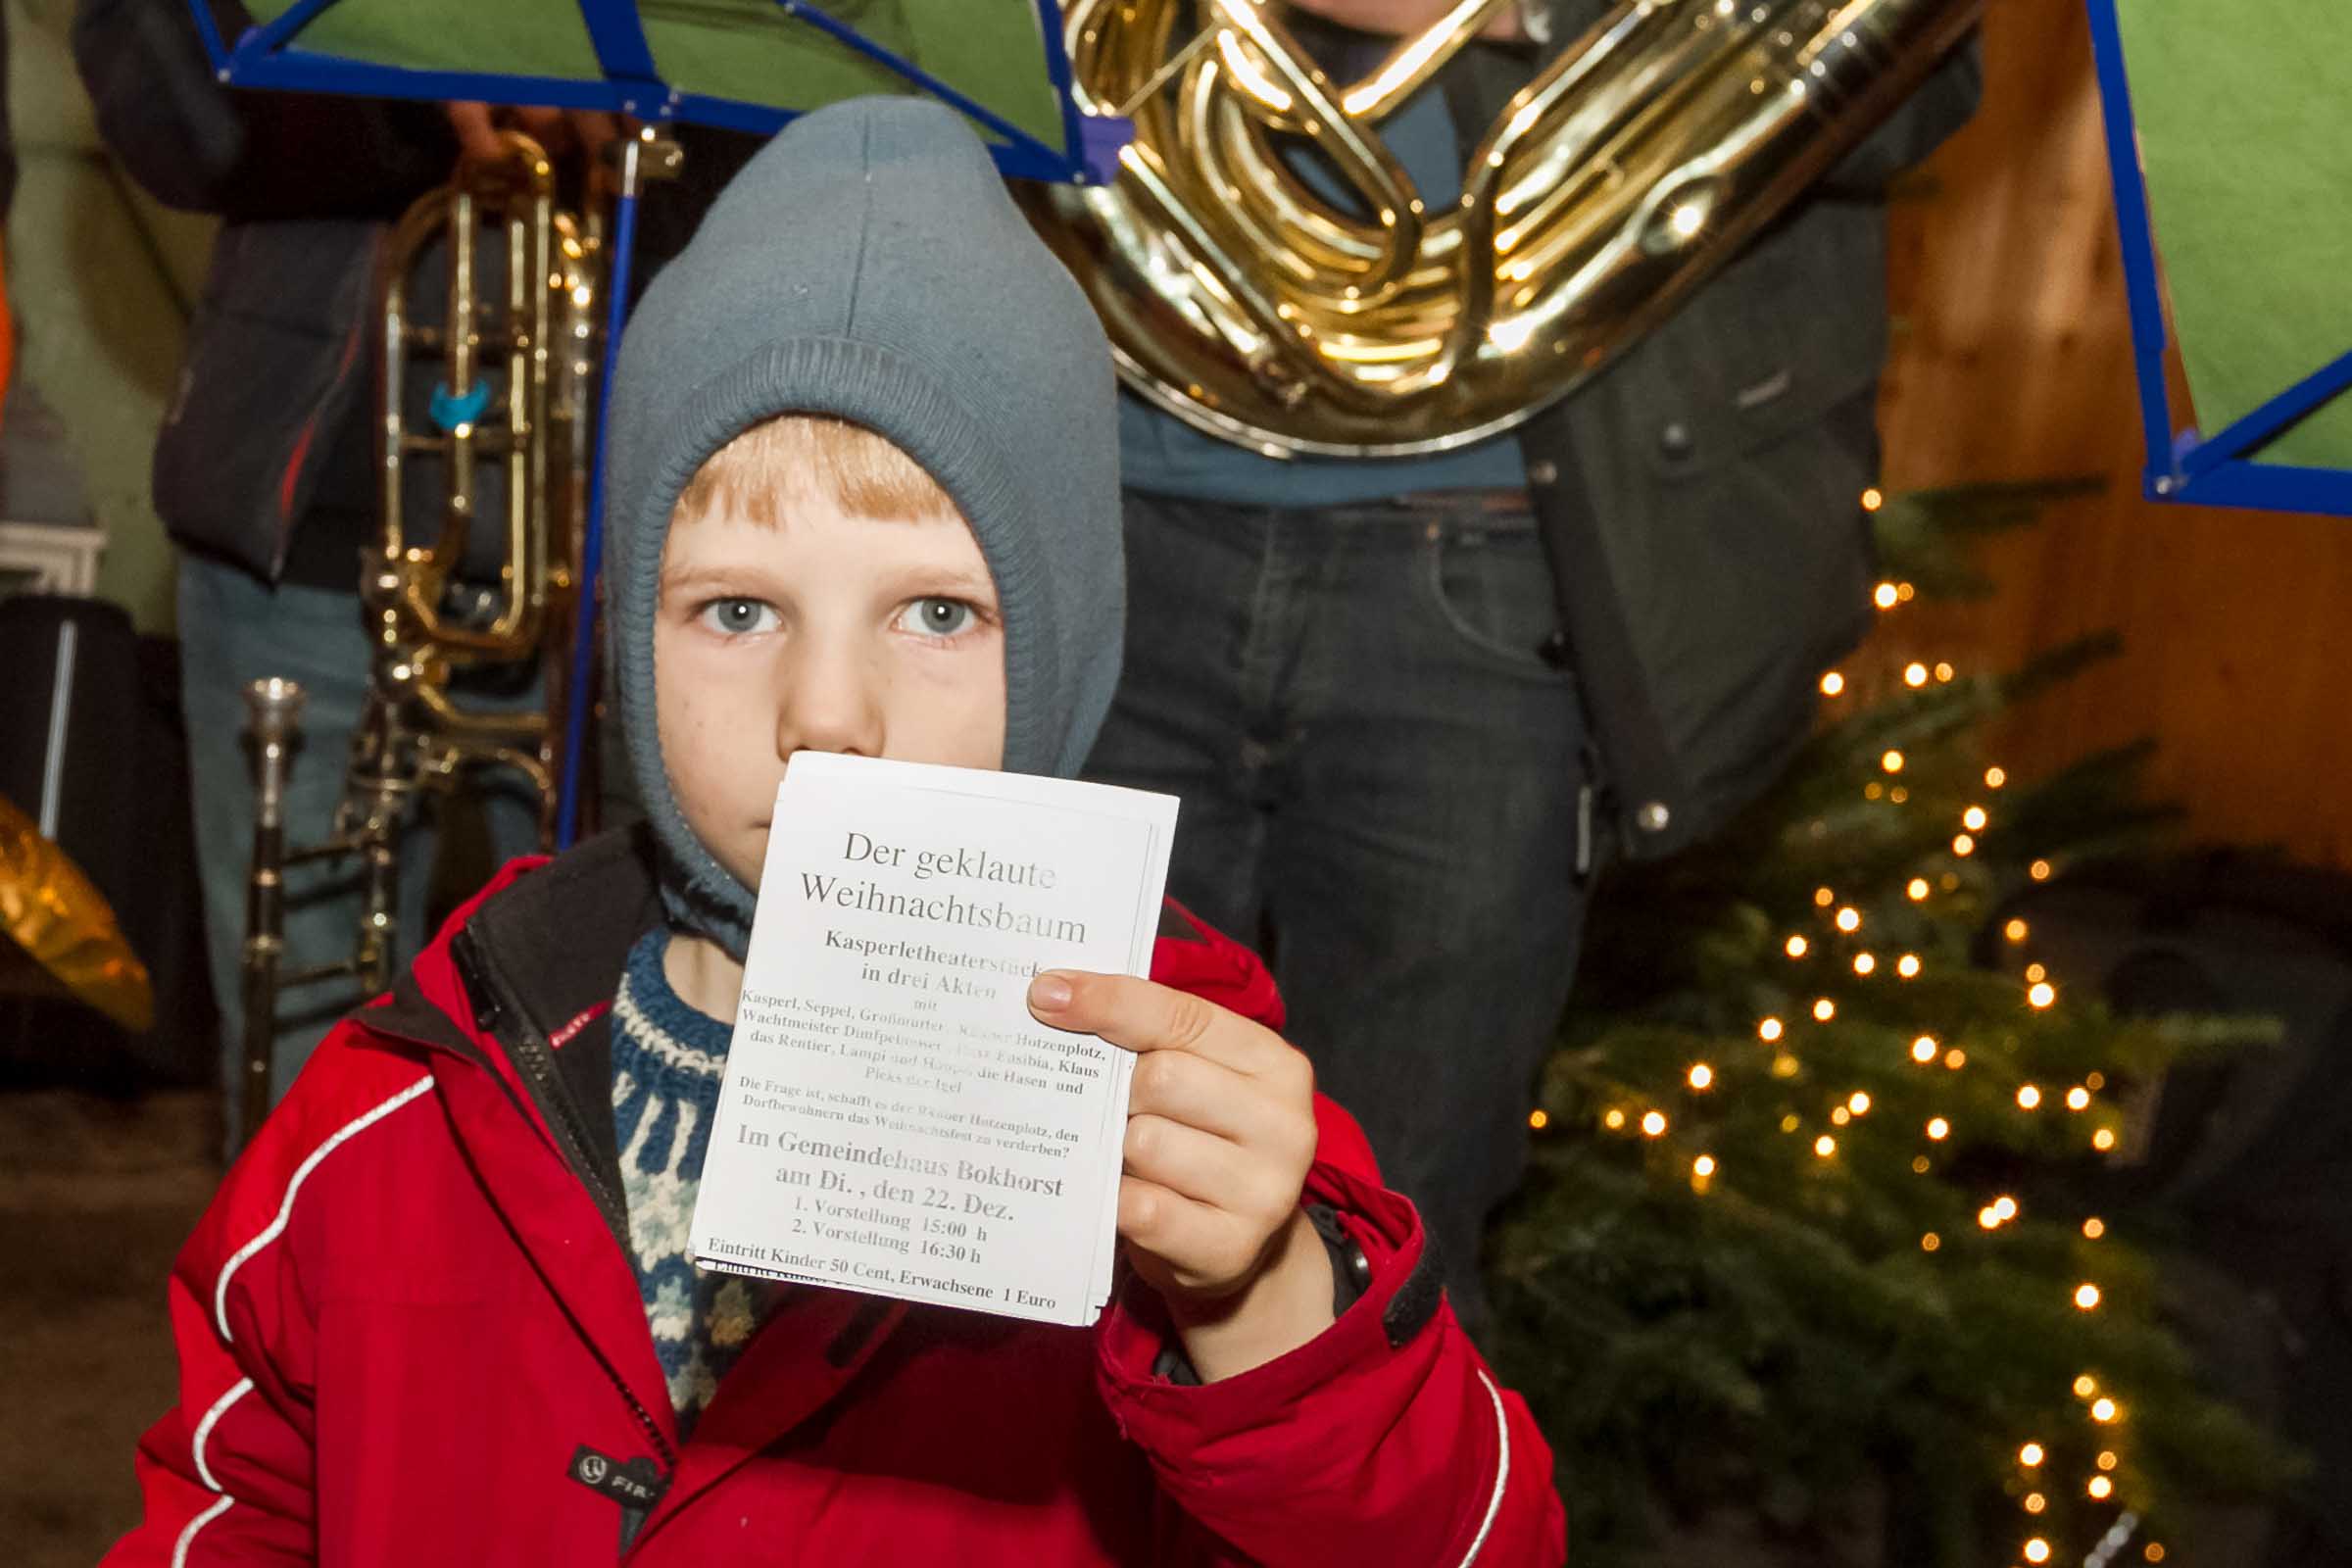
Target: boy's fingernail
[(1049, 991)]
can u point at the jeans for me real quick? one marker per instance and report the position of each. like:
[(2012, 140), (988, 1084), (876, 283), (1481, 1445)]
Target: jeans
[(1380, 783), (234, 629)]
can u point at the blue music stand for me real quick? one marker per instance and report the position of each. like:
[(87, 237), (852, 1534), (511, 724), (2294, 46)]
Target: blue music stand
[(2239, 465), (354, 47)]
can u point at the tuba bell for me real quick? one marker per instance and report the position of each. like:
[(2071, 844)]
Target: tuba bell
[(506, 430), (1627, 171)]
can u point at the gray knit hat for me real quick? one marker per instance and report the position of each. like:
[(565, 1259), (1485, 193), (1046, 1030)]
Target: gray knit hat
[(869, 265)]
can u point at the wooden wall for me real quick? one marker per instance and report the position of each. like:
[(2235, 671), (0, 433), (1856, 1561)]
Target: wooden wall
[(2013, 360)]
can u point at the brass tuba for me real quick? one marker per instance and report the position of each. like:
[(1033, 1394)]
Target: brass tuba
[(514, 362), (1632, 167)]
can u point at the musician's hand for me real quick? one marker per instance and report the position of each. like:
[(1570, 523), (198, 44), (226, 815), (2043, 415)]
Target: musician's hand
[(1220, 1131), (1407, 18), (557, 131)]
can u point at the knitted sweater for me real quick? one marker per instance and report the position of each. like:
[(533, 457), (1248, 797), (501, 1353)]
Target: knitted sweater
[(668, 1060)]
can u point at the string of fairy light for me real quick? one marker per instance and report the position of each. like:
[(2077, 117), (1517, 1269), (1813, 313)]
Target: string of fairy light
[(1838, 930)]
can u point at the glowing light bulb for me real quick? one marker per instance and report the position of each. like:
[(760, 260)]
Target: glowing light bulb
[(1824, 1009), (1613, 1120), (2086, 1386), (1988, 1218), (1930, 1242), (1939, 1129), (1539, 1120), (1871, 499), (1653, 1123), (2155, 1551), (1701, 1075), (1832, 684), (1783, 1066), (2016, 930), (1945, 672), (1963, 845), (2039, 870), (2028, 1097), (1955, 1059), (1907, 966), (1923, 1049), (1892, 761), (1915, 674), (2078, 1098), (2035, 971), (2087, 1296), (2104, 1140), (1995, 778), (1769, 1030), (1839, 1115), (1788, 1123), (1887, 595), (2107, 1462), (2042, 994), (1797, 947), (2104, 1410), (2037, 1551), (2099, 1488), (1973, 819), (1823, 898), (1858, 1103), (1919, 1164), (1863, 964), (2029, 1455), (2094, 1227), (2035, 1502), (1917, 889), (2005, 1208), (2094, 1081), (1849, 919), (1825, 1146), (1703, 1165)]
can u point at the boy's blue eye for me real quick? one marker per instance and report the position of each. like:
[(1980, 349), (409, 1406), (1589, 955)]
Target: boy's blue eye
[(937, 618), (736, 617)]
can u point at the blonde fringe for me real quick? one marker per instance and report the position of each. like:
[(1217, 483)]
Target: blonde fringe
[(758, 476)]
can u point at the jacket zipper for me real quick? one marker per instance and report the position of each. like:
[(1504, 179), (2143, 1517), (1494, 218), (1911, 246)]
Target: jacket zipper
[(535, 1059)]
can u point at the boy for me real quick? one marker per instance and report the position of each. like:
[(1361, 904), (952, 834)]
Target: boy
[(866, 500)]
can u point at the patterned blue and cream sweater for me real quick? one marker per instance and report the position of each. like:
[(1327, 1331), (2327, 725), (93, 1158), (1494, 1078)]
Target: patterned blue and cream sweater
[(668, 1060)]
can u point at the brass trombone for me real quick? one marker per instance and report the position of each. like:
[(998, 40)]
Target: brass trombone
[(516, 354)]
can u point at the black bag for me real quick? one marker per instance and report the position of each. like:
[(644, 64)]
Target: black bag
[(92, 747)]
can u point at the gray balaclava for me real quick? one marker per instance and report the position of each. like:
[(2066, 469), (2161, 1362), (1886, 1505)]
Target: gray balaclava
[(869, 265)]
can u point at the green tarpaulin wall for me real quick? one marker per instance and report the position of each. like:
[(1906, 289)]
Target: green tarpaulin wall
[(746, 50), (2245, 130)]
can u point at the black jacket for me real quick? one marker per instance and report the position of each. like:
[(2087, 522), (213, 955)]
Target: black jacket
[(1700, 499), (267, 428)]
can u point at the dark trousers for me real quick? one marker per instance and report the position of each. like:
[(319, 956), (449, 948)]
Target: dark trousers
[(1380, 781)]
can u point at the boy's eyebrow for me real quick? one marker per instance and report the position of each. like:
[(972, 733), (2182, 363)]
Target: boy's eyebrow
[(700, 579), (720, 580)]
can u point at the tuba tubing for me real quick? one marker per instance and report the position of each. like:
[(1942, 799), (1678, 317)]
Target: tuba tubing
[(1631, 168)]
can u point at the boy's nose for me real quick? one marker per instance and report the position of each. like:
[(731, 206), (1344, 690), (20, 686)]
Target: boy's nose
[(831, 701)]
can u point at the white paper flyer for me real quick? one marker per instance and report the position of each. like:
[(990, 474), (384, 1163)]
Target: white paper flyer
[(894, 1120)]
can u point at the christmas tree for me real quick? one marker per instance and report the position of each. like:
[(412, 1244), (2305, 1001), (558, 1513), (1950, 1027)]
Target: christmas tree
[(1813, 1233)]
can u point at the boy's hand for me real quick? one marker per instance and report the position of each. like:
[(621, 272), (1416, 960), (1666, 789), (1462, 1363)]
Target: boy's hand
[(1220, 1131)]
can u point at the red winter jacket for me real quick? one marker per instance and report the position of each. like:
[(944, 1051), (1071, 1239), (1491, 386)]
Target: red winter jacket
[(408, 1334)]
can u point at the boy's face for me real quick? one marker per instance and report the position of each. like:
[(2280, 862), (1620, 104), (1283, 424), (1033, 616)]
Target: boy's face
[(830, 633)]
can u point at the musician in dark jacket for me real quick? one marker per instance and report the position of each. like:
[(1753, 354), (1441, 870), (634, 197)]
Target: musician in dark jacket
[(262, 473), (1412, 704)]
